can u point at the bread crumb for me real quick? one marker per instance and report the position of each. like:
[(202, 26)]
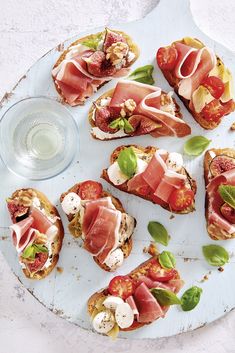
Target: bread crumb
[(172, 216), (232, 127), (206, 277), (59, 269), (151, 249), (221, 269)]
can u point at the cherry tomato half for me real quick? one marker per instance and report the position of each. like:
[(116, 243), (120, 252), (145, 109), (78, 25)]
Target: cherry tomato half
[(180, 199), (90, 190), (215, 110), (121, 286), (157, 273), (167, 58), (215, 86)]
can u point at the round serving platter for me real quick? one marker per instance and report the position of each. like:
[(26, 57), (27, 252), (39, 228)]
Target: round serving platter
[(66, 291)]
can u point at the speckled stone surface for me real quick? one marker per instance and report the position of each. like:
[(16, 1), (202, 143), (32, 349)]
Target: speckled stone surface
[(29, 29)]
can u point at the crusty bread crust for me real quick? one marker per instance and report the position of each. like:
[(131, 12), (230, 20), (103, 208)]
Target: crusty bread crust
[(142, 269), (215, 232), (110, 94), (123, 187), (126, 247), (174, 81), (133, 47), (56, 246)]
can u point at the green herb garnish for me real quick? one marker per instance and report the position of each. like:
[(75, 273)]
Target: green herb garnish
[(158, 232), (196, 145), (143, 74), (31, 251), (93, 40), (167, 259), (215, 255), (127, 162), (121, 123), (191, 298), (165, 296), (227, 192)]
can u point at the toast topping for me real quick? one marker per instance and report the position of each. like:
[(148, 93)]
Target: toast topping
[(117, 52), (71, 203), (200, 78), (161, 178)]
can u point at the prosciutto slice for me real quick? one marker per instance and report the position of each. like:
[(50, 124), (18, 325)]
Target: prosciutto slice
[(215, 200), (170, 181), (22, 233), (192, 67), (147, 99), (91, 211), (173, 285), (42, 223), (130, 300), (147, 305), (100, 227), (155, 169), (73, 78)]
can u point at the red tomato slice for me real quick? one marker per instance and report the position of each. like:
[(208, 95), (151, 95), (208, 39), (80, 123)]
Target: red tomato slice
[(215, 110), (90, 190), (39, 262), (121, 286), (215, 86), (180, 199), (167, 58), (157, 273)]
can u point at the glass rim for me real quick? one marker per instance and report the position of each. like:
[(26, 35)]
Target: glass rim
[(63, 107)]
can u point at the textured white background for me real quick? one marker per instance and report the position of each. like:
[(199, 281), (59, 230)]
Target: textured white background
[(28, 29)]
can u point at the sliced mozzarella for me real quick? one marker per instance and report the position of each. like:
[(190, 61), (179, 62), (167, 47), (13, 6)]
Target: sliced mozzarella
[(124, 315), (141, 166), (127, 228), (105, 101), (103, 322), (130, 56), (71, 203), (115, 259), (51, 233), (117, 177), (174, 161), (115, 174), (112, 302)]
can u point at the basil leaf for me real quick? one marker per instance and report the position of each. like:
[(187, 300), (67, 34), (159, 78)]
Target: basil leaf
[(115, 124), (158, 232), (143, 74), (127, 161), (215, 255), (127, 126), (191, 298), (167, 259), (227, 192), (29, 252), (93, 40), (40, 248), (196, 145), (165, 296)]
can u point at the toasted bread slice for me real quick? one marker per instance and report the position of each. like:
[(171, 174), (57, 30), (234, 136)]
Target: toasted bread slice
[(75, 226), (51, 210), (141, 270), (149, 151), (214, 231), (110, 94), (133, 48), (174, 81)]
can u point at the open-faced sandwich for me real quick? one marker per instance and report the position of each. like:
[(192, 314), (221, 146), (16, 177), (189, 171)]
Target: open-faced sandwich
[(100, 219), (132, 109), (130, 302), (153, 174), (37, 232), (200, 79), (90, 62), (219, 172)]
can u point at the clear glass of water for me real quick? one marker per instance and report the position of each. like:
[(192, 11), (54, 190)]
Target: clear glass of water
[(38, 138)]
